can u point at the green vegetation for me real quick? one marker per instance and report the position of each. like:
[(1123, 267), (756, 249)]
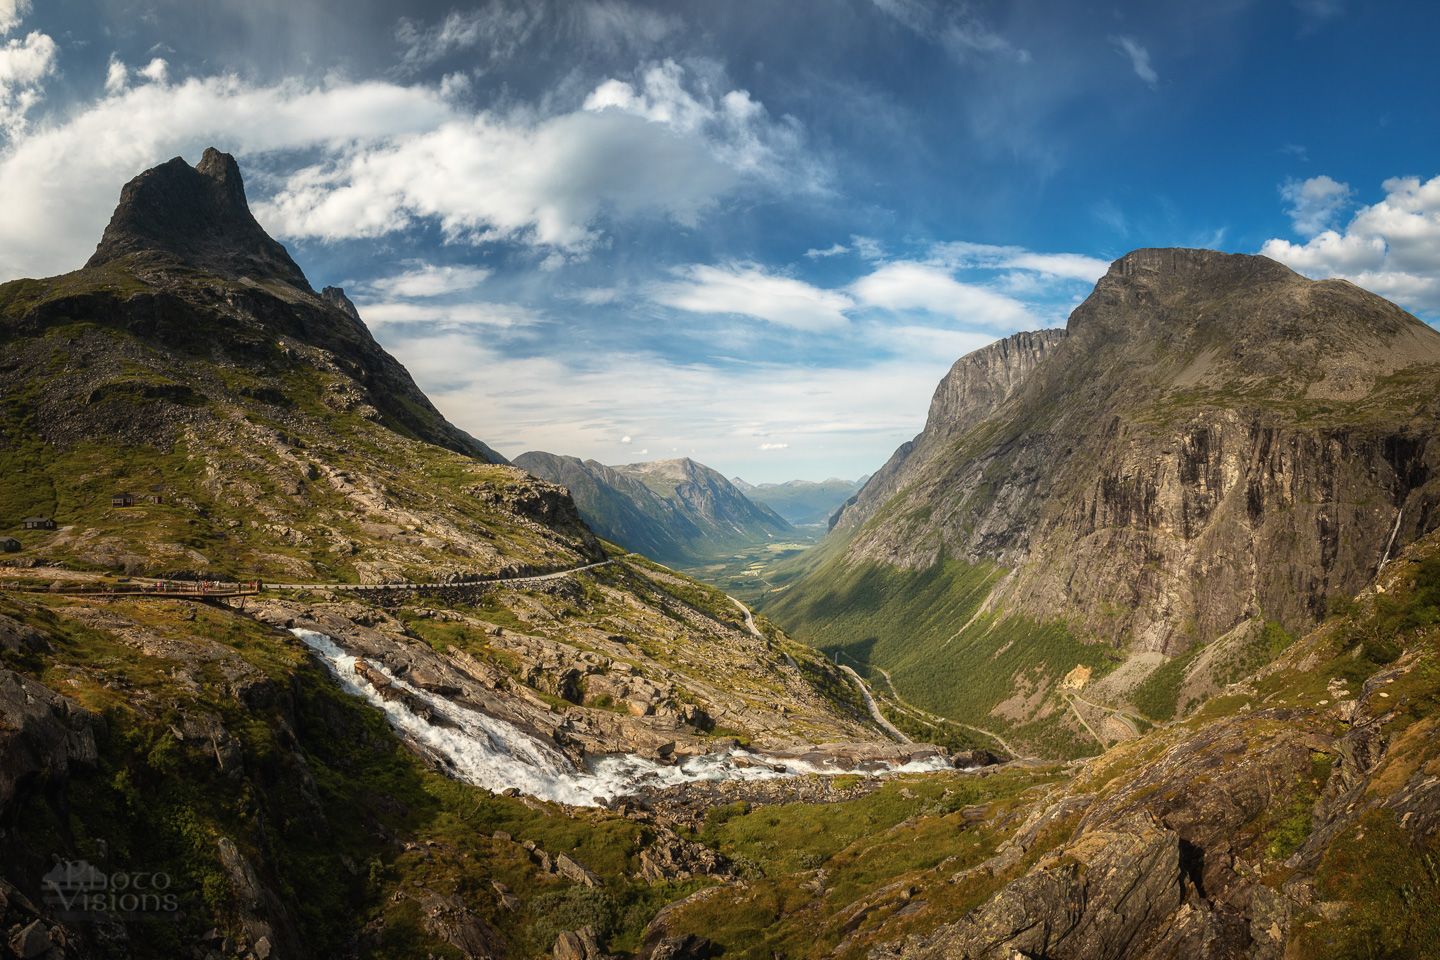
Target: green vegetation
[(908, 837), (1390, 885), (344, 823), (1157, 696), (924, 628)]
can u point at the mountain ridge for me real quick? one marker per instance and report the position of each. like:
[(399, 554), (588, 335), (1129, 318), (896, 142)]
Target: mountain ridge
[(1213, 440)]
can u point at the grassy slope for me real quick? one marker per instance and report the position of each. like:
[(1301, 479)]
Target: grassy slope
[(257, 489), (923, 627)]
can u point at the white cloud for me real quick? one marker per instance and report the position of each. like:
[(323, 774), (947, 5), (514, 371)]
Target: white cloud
[(749, 290), (961, 254), (23, 65), (1315, 203), (868, 247), (656, 150), (1139, 59), (827, 415), (595, 296), (908, 285), (390, 155), (834, 250), (615, 25), (156, 71), (1391, 247), (429, 280), (11, 13), (503, 316), (625, 439), (921, 341), (774, 446), (499, 31), (117, 77), (955, 28)]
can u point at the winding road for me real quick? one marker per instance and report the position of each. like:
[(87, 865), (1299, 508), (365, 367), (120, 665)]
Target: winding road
[(936, 718), (870, 703)]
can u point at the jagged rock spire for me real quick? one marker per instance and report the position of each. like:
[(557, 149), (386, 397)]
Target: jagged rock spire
[(197, 216)]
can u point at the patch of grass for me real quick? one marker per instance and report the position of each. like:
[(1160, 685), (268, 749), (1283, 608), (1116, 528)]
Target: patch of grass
[(1390, 885)]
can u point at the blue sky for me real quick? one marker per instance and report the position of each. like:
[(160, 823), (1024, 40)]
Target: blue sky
[(751, 232)]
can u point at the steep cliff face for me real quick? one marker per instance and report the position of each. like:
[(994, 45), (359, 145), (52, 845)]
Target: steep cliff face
[(1214, 439), (976, 385)]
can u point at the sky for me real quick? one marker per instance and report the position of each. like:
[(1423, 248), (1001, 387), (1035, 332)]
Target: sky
[(753, 233)]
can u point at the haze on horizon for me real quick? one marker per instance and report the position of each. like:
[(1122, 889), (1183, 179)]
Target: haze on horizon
[(756, 236)]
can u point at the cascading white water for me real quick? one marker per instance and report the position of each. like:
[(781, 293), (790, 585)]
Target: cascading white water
[(497, 755)]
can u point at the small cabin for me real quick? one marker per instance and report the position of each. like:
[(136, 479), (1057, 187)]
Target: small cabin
[(38, 523), (122, 500), (9, 545)]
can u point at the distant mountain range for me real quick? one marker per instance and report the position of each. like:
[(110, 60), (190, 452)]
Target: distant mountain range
[(803, 502), (675, 511)]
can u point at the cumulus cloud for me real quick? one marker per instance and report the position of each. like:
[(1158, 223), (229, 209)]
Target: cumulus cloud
[(1139, 59), (429, 280), (23, 65), (655, 148), (390, 155), (834, 250), (11, 13), (910, 285), (750, 290), (774, 446), (117, 77), (1315, 203), (156, 71), (1391, 247)]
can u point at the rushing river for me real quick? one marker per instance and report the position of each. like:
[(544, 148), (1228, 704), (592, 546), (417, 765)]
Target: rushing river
[(497, 755)]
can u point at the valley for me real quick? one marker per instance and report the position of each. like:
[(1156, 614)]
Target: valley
[(1133, 652)]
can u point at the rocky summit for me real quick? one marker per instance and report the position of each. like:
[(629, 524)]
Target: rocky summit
[(196, 217)]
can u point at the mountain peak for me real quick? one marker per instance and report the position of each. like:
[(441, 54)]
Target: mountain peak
[(196, 216)]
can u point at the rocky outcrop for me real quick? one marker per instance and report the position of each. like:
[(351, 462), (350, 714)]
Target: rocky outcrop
[(42, 734)]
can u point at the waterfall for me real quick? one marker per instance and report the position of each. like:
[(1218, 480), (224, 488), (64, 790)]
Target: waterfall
[(497, 755)]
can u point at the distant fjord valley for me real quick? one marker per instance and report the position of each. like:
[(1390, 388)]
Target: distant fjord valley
[(1132, 652)]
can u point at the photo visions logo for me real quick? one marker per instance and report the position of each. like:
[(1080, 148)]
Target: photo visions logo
[(77, 890)]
